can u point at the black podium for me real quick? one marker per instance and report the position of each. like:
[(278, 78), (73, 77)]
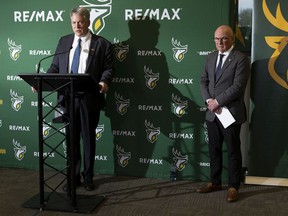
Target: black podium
[(66, 85)]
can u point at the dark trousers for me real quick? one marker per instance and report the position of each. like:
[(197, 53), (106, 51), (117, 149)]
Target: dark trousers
[(231, 136), (85, 122)]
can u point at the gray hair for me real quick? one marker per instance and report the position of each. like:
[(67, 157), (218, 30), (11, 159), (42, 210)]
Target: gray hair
[(81, 11)]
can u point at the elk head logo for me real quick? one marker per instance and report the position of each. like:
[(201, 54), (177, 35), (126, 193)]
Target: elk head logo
[(179, 105), (178, 50), (152, 132), (100, 9), (151, 78), (16, 100), (122, 104), (278, 43), (19, 151), (123, 157), (14, 49), (180, 160), (120, 50), (99, 131)]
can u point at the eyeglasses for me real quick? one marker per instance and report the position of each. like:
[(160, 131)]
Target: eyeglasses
[(224, 39)]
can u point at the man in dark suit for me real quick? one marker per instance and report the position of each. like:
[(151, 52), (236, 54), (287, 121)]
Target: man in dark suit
[(95, 59), (224, 87)]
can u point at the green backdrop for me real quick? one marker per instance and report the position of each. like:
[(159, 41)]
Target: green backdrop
[(154, 118)]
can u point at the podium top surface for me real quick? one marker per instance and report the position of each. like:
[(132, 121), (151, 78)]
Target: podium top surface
[(51, 82)]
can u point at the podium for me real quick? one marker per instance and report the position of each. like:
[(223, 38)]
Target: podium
[(67, 85)]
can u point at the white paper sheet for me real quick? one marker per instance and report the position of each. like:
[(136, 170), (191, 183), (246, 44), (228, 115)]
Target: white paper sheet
[(225, 117)]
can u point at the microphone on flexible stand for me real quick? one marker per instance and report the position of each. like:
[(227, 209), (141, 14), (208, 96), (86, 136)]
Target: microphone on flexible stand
[(55, 54)]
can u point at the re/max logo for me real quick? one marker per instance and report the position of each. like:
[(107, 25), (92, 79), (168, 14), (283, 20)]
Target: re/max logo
[(38, 16)]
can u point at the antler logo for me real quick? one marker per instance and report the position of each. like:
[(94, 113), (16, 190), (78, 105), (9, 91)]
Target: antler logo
[(179, 105), (123, 157), (122, 104), (278, 43), (152, 132), (180, 160), (120, 50), (99, 131), (100, 9), (178, 50), (14, 49), (151, 78), (16, 100), (19, 150)]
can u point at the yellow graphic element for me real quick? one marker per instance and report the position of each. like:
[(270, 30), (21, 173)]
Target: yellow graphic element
[(277, 21), (2, 151), (98, 135), (278, 43), (1, 102), (97, 24)]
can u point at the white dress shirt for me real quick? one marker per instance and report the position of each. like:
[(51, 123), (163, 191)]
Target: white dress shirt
[(85, 46)]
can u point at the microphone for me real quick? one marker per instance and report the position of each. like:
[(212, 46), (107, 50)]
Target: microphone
[(55, 54)]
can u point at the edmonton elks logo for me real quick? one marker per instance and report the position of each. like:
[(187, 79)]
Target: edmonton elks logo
[(14, 49), (16, 100), (99, 131), (151, 78), (278, 43), (179, 160), (178, 50), (121, 104), (100, 9), (152, 132), (123, 157), (19, 151), (45, 129), (120, 50), (179, 106)]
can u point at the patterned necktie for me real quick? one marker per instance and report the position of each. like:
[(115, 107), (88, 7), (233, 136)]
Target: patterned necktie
[(219, 66), (76, 57)]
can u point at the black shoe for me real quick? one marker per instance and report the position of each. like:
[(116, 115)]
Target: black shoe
[(89, 186), (65, 187)]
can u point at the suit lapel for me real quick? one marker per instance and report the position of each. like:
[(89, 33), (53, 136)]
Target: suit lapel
[(66, 56), (92, 51)]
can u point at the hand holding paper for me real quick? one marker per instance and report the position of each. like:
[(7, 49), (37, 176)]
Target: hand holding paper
[(225, 117)]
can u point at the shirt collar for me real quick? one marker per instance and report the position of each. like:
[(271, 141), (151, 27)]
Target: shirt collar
[(227, 52), (83, 39)]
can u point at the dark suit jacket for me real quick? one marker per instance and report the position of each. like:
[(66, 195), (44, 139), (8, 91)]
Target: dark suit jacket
[(229, 88), (99, 66)]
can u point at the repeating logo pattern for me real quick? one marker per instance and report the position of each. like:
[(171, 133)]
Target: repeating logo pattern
[(14, 49), (123, 157), (16, 100), (179, 160), (179, 106), (19, 151), (151, 78), (120, 50), (152, 132), (121, 104), (178, 50)]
